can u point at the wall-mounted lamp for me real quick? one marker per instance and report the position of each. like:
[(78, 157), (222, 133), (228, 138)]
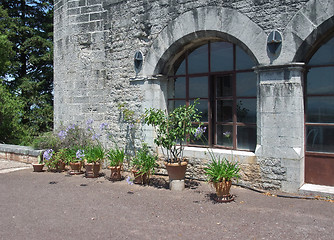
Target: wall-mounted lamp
[(138, 61), (274, 42)]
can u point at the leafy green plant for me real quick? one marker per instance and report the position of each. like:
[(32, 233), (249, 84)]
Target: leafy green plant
[(173, 129), (144, 161), (116, 157), (221, 169), (94, 154)]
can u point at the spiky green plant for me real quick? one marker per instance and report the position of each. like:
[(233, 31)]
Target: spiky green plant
[(221, 169)]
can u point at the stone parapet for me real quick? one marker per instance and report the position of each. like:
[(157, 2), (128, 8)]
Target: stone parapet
[(19, 153)]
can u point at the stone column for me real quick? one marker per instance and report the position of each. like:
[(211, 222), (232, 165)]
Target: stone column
[(154, 94), (280, 123)]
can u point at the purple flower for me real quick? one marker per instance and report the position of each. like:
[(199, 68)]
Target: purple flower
[(48, 154), (131, 125), (227, 134), (103, 126), (80, 154), (90, 121), (62, 134), (199, 132), (96, 136), (129, 181), (72, 126)]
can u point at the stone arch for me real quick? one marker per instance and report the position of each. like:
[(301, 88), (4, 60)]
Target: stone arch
[(307, 29), (204, 23)]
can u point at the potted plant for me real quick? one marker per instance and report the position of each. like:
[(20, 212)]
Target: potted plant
[(116, 158), (173, 131), (52, 161), (75, 158), (94, 155), (220, 172), (143, 165), (38, 167)]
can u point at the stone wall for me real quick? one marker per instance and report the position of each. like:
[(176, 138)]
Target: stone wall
[(19, 153), (95, 42)]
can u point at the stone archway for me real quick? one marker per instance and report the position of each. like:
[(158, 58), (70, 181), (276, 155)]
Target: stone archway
[(205, 22), (306, 29)]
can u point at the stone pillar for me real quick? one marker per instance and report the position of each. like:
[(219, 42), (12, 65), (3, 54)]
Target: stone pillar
[(280, 123), (154, 94)]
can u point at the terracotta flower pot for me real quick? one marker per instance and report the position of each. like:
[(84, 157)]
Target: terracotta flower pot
[(75, 167), (115, 173), (223, 188), (176, 171), (38, 167), (140, 178), (92, 170), (176, 174), (60, 167), (223, 191)]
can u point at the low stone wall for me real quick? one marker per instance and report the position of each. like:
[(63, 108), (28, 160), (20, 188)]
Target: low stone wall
[(18, 153)]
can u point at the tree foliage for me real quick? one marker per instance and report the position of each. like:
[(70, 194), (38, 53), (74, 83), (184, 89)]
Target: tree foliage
[(26, 27)]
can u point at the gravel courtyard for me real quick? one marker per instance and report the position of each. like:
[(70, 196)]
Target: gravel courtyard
[(60, 206)]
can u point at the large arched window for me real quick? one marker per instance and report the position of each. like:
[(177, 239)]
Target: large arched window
[(319, 116), (320, 100), (219, 74)]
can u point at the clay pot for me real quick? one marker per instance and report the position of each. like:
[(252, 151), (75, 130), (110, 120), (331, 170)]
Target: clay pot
[(60, 167), (115, 173), (176, 171), (38, 167), (92, 170), (223, 188), (140, 178), (75, 167)]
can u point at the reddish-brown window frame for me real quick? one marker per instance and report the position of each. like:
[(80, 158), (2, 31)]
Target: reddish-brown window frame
[(212, 123)]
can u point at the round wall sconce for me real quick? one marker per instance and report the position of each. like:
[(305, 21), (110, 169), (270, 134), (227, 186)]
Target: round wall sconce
[(138, 61), (274, 42)]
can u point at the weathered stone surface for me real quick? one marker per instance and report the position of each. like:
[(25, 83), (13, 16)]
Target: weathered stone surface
[(95, 42)]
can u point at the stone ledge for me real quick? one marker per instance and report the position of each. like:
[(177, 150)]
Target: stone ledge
[(19, 153)]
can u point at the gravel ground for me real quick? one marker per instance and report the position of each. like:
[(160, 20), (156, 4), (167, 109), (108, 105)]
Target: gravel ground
[(60, 206)]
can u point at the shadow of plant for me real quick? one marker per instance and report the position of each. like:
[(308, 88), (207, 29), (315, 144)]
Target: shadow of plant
[(159, 182), (212, 197)]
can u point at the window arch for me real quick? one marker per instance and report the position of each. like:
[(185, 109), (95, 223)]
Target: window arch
[(220, 74)]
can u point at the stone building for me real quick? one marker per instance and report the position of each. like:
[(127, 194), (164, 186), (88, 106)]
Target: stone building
[(263, 70)]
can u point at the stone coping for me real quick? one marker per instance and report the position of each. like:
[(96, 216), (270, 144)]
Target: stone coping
[(22, 150)]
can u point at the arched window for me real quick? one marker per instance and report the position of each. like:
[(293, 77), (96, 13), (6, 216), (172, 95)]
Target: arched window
[(219, 74), (319, 92)]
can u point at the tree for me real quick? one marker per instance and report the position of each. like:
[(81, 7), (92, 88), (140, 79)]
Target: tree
[(11, 110), (28, 26)]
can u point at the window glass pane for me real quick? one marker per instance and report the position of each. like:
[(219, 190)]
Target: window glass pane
[(180, 87), (225, 135), (172, 104), (320, 109), (224, 110), (198, 60), (221, 56), (182, 68), (224, 85), (203, 140), (243, 60), (246, 84), (324, 55), (246, 138), (320, 138), (203, 108), (246, 110), (320, 80), (198, 87)]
